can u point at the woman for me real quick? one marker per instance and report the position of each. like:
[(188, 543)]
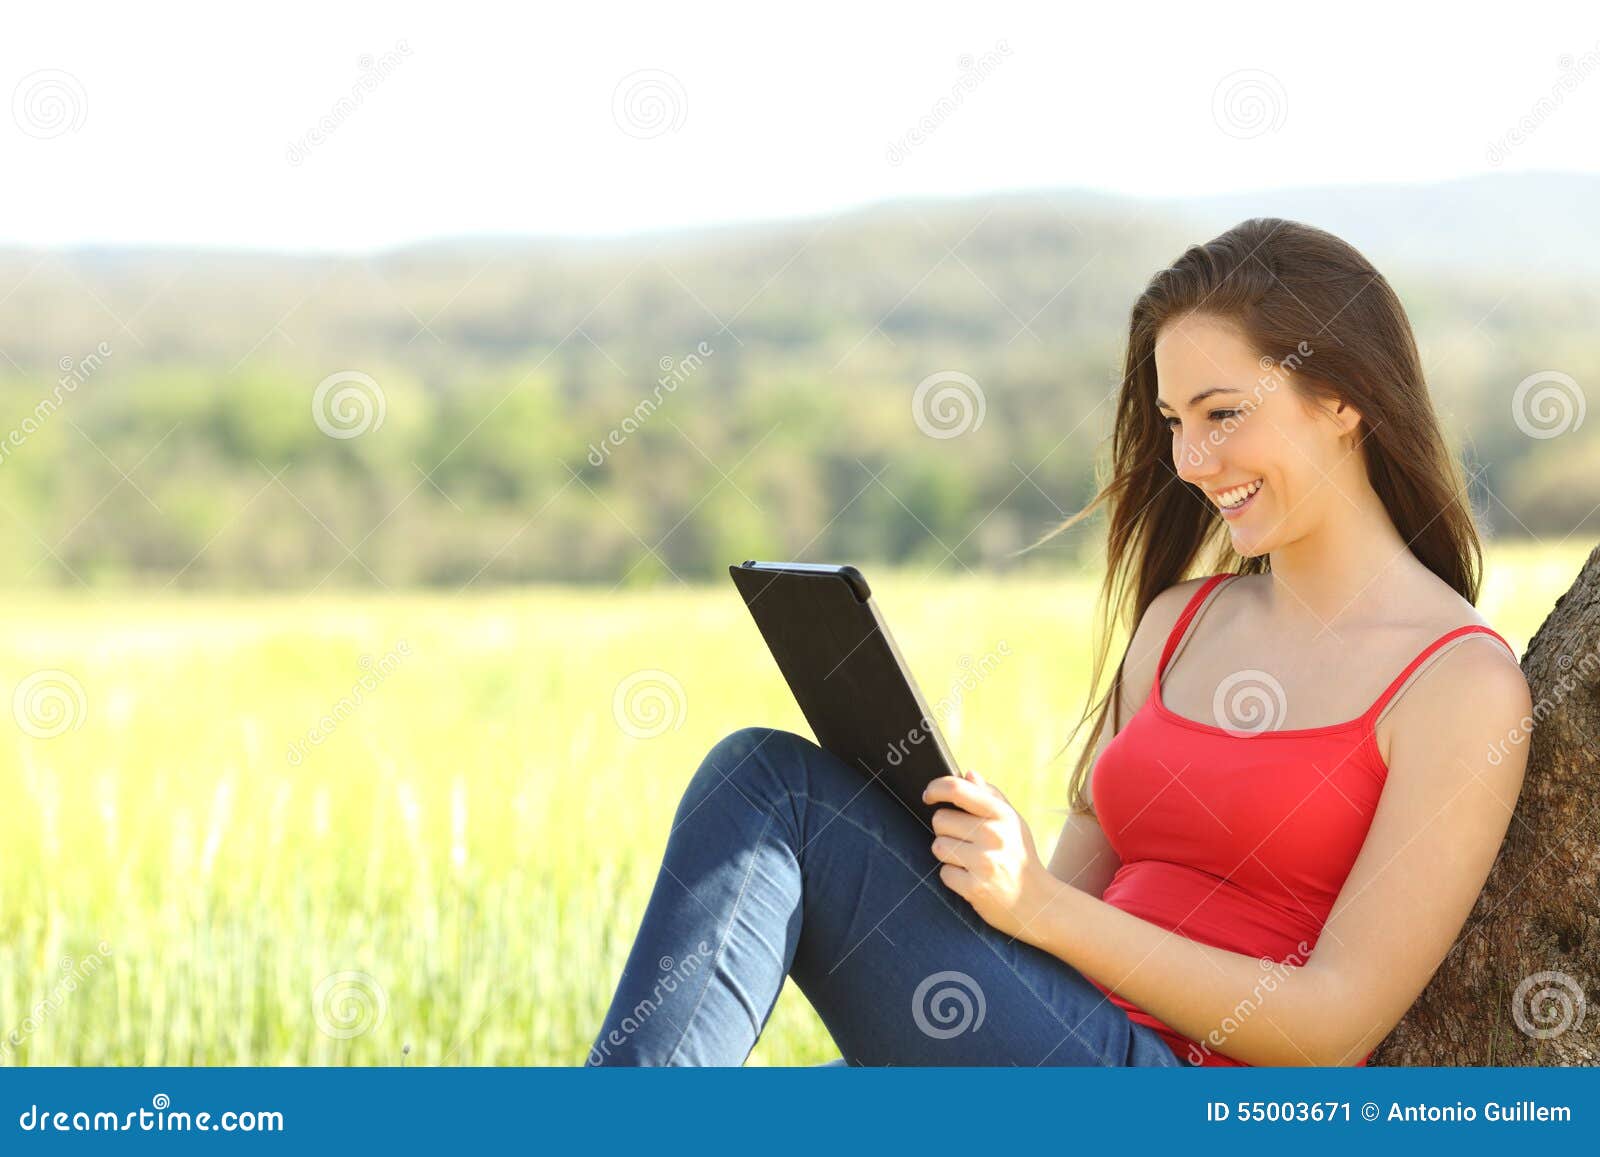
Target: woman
[(1274, 841)]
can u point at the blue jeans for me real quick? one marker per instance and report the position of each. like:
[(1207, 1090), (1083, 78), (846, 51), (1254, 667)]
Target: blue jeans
[(784, 860)]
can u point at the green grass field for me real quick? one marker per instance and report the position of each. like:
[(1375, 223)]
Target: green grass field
[(461, 862)]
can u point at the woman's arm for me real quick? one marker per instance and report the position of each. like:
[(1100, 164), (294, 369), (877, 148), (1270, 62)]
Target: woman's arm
[(1438, 827), (1083, 856)]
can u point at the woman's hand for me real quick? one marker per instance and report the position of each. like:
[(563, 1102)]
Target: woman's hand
[(988, 854)]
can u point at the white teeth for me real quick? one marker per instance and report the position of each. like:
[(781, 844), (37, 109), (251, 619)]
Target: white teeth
[(1238, 494)]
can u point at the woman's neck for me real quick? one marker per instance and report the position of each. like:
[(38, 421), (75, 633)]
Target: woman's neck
[(1351, 561)]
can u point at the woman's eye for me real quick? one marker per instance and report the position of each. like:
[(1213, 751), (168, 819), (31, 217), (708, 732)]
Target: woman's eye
[(1215, 415)]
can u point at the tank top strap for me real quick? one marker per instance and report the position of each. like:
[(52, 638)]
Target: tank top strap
[(1192, 608), (1423, 656)]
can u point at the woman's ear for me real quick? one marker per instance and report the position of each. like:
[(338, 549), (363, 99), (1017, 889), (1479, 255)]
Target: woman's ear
[(1348, 417), (1345, 417)]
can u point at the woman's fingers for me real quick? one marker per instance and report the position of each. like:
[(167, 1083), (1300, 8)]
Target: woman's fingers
[(957, 879), (994, 787), (952, 821), (980, 800)]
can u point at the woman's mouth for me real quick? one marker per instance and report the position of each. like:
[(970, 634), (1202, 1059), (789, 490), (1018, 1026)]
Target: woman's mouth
[(1232, 503)]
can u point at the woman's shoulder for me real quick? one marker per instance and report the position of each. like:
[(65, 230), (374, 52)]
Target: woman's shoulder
[(1169, 604), (1164, 610), (1442, 611), (1469, 673), (1150, 633), (1473, 695), (1466, 656)]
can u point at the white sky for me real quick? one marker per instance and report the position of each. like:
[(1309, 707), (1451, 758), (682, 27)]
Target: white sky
[(501, 119)]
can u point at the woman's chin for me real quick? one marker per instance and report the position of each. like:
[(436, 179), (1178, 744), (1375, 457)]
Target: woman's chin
[(1247, 545)]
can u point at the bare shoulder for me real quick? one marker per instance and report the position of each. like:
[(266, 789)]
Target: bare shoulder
[(1476, 674), (1149, 637), (1460, 746), (1472, 699), (1475, 667), (1428, 602)]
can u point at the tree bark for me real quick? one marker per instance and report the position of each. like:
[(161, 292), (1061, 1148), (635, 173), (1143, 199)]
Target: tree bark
[(1521, 986)]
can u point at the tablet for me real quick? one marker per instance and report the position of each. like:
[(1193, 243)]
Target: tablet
[(835, 650)]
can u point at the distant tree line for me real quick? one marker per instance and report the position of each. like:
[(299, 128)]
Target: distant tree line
[(924, 385)]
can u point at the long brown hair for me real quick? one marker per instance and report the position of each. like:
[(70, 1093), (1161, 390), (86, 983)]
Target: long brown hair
[(1321, 317)]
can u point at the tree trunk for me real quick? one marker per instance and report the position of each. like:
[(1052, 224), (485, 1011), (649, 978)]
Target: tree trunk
[(1522, 984)]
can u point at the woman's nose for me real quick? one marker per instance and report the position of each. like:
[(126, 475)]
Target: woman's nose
[(1195, 459)]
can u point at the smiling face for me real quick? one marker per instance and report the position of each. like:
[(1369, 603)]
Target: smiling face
[(1269, 461)]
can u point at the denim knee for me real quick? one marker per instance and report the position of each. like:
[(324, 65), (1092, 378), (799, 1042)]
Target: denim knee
[(761, 762), (777, 770)]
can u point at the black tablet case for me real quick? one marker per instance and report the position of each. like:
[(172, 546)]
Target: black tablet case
[(843, 674)]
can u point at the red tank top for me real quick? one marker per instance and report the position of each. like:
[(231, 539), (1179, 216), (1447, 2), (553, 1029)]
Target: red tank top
[(1234, 837)]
